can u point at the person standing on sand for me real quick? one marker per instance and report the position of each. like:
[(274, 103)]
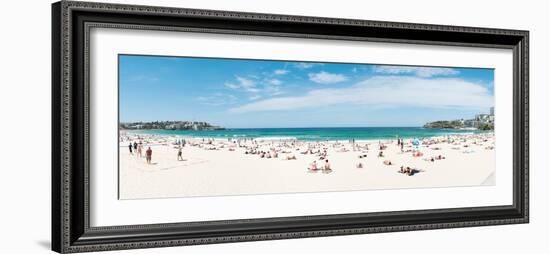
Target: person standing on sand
[(180, 158), (130, 147), (148, 155)]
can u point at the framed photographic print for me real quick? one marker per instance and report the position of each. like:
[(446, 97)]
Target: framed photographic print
[(181, 126)]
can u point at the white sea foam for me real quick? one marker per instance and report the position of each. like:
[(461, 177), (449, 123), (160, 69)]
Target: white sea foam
[(274, 138)]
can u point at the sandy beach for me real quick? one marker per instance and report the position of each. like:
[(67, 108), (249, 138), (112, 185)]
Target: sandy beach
[(212, 167)]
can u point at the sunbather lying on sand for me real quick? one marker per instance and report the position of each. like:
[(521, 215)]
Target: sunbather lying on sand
[(407, 171), (291, 157), (417, 154)]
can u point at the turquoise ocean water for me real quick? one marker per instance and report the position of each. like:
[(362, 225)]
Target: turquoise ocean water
[(315, 134)]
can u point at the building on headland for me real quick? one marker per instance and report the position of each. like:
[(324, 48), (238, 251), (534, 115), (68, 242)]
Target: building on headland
[(483, 118), (470, 123), (480, 121)]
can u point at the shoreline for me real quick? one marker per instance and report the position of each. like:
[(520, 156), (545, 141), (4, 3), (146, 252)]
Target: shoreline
[(309, 139)]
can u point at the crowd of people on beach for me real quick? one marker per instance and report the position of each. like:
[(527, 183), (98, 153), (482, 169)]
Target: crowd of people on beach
[(136, 148), (319, 150)]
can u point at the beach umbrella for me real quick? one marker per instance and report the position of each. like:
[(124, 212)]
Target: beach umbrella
[(416, 142)]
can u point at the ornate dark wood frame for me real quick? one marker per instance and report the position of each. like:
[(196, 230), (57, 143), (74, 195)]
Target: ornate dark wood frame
[(71, 22)]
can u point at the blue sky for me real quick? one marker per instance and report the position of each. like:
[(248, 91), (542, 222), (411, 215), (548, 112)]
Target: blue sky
[(237, 93)]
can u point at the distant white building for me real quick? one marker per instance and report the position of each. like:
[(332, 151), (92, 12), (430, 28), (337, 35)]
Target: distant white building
[(471, 123), (482, 118)]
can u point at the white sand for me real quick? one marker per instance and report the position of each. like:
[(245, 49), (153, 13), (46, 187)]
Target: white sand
[(223, 172)]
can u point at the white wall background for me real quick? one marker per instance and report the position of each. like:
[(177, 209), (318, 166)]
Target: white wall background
[(25, 127)]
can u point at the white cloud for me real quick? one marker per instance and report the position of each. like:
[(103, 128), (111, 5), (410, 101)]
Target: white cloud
[(424, 72), (246, 84), (326, 78), (232, 85), (280, 72), (385, 91), (275, 82), (254, 97), (273, 90), (258, 88)]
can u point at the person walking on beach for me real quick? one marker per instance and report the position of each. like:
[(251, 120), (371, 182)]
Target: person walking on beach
[(140, 147), (148, 155), (130, 147), (180, 158)]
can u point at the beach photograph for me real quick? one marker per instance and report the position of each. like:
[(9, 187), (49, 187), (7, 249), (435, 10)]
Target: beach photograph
[(202, 127)]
